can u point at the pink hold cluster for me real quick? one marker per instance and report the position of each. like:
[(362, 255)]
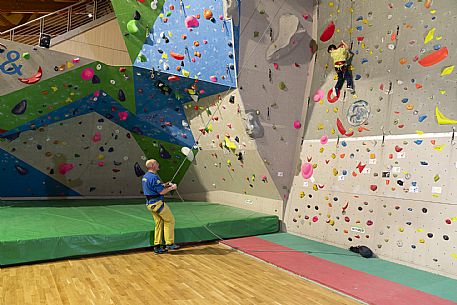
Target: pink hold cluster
[(123, 115), (65, 168), (191, 22)]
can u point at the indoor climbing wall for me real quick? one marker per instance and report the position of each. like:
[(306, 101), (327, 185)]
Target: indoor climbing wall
[(241, 132), (378, 167), (71, 128)]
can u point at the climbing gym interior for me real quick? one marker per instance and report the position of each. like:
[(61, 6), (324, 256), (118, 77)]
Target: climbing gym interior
[(294, 184)]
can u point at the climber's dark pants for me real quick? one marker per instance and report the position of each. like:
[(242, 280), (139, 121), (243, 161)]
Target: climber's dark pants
[(344, 73)]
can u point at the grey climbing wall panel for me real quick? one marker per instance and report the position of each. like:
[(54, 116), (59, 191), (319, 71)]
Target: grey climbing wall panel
[(388, 181)]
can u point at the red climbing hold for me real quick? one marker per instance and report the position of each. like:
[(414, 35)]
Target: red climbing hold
[(173, 78), (328, 32), (434, 57), (340, 126), (176, 56), (329, 96)]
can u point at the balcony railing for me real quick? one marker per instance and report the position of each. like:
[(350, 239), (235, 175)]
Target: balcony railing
[(59, 22)]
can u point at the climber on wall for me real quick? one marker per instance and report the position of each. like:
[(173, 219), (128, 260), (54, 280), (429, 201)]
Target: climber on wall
[(341, 56), (154, 190)]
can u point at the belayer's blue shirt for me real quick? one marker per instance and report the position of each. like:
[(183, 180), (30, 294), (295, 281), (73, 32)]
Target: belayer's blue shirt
[(152, 186)]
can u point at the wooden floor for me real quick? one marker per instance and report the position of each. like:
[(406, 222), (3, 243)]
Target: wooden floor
[(204, 274)]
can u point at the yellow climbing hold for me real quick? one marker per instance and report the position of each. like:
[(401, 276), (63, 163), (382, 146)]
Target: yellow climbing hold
[(430, 35), (439, 147), (321, 150), (335, 172), (410, 107), (333, 131), (315, 187), (401, 229), (229, 144), (320, 126), (185, 73), (421, 240), (164, 56), (443, 120), (419, 132), (335, 109), (229, 163), (331, 4), (442, 91), (210, 127), (333, 155), (447, 70), (302, 194)]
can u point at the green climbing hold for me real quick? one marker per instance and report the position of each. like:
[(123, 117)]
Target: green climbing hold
[(436, 178), (256, 34), (26, 55), (282, 86), (132, 28), (142, 58)]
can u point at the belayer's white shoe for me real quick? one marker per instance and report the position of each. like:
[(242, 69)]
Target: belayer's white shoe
[(333, 95), (351, 90)]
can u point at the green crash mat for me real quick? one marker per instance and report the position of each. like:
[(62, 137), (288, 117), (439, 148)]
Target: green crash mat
[(44, 230)]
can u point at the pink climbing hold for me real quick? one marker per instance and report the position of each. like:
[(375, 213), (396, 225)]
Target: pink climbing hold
[(297, 125), (97, 137), (87, 74), (324, 140), (65, 168), (276, 66), (213, 78), (318, 95), (306, 170), (191, 22), (101, 164), (315, 219), (328, 32), (123, 115)]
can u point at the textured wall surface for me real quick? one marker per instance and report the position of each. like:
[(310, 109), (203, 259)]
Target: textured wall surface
[(385, 179)]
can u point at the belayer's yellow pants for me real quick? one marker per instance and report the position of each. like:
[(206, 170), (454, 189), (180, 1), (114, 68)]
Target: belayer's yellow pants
[(165, 223)]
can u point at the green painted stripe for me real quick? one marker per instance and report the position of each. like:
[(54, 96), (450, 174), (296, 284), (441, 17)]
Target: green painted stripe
[(421, 280)]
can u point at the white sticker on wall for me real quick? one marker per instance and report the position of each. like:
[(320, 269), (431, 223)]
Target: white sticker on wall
[(358, 229), (366, 170), (280, 174), (248, 201), (305, 184), (401, 155), (372, 161), (436, 189), (395, 169), (341, 178)]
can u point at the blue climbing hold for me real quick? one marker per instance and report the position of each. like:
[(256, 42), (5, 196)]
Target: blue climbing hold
[(409, 4), (418, 142), (359, 28), (424, 163), (405, 100), (422, 118), (437, 47), (364, 61), (344, 144), (358, 76)]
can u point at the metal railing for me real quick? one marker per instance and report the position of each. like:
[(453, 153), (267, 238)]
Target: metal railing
[(59, 22)]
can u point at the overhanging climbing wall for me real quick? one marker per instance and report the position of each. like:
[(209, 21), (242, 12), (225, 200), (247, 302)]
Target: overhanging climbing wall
[(378, 167)]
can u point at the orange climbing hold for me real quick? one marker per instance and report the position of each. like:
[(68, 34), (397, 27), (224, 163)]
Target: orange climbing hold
[(434, 57), (208, 14), (403, 61), (176, 56), (428, 3)]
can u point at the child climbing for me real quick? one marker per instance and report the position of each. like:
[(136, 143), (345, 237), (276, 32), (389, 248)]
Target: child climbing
[(341, 57)]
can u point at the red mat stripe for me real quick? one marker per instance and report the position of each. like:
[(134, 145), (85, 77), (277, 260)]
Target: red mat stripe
[(360, 285)]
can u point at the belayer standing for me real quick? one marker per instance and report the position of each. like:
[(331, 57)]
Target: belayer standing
[(341, 56), (154, 190)]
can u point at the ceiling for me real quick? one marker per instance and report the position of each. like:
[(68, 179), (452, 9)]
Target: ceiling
[(16, 12)]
